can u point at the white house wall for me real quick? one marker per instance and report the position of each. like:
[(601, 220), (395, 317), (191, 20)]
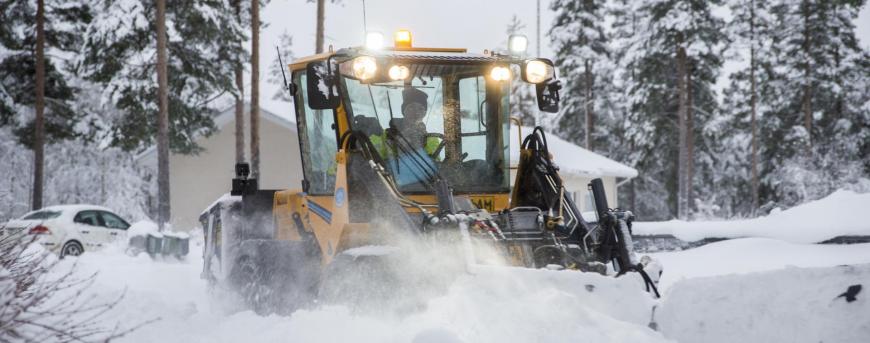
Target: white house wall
[(196, 181)]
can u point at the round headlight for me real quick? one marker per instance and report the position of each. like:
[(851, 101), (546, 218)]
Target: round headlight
[(398, 72), (538, 71), (364, 67), (500, 74)]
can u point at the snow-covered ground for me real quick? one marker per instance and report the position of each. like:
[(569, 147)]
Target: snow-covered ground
[(753, 289), (493, 305), (838, 214)]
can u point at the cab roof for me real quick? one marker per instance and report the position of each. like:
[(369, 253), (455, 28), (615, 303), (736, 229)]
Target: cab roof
[(415, 54)]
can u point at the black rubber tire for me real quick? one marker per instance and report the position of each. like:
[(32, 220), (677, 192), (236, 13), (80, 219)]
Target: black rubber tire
[(274, 276), (71, 248)]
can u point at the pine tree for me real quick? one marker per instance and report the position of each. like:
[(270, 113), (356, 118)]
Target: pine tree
[(119, 54), (62, 23), (240, 91), (814, 135), (669, 53), (163, 195), (736, 156), (582, 54), (36, 97), (39, 122), (255, 89)]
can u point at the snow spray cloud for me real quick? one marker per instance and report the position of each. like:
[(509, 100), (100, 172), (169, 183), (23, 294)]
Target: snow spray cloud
[(400, 274)]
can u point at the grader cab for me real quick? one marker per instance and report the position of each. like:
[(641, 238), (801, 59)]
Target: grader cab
[(407, 142)]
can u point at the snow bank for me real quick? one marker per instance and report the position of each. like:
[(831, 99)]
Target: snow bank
[(494, 305), (749, 255), (790, 305), (838, 214)]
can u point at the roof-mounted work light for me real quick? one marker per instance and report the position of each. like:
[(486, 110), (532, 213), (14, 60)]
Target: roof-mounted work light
[(403, 39), (517, 44), (374, 40)]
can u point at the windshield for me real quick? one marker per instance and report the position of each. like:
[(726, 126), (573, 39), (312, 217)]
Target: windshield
[(449, 118)]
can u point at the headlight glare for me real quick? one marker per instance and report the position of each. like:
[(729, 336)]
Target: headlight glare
[(364, 67), (537, 71), (500, 73), (398, 72)]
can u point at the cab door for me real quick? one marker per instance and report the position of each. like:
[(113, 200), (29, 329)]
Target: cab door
[(90, 228)]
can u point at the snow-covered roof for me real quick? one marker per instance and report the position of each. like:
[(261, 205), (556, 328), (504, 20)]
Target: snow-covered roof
[(227, 116), (573, 159)]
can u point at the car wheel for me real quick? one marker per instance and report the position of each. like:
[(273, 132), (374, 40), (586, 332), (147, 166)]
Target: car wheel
[(71, 249)]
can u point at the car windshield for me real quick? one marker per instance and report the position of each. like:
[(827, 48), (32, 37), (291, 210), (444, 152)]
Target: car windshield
[(41, 215), (449, 118)]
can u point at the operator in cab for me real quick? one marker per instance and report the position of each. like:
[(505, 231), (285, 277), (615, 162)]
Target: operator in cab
[(415, 105)]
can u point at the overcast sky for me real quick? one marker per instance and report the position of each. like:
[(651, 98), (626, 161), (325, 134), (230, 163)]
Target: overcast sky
[(472, 24)]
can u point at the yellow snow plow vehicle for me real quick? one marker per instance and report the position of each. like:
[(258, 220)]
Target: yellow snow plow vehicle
[(406, 142)]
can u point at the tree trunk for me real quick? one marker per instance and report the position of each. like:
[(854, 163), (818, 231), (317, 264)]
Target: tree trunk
[(163, 208), (588, 106), (240, 99), (321, 4), (683, 154), (255, 89), (753, 100), (690, 142), (806, 103), (39, 124)]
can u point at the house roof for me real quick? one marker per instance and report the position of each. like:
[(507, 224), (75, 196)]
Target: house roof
[(225, 118), (572, 159)]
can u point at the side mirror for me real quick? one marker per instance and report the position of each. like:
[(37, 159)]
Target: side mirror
[(548, 95), (321, 82)]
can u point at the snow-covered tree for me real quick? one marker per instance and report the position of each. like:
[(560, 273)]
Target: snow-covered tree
[(669, 55), (120, 54), (818, 102), (583, 56), (63, 22)]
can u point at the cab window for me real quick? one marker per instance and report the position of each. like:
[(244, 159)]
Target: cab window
[(317, 141)]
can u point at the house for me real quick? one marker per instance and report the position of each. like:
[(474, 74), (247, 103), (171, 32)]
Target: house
[(577, 167), (196, 181)]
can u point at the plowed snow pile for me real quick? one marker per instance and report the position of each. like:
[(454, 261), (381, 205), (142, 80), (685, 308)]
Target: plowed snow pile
[(495, 305), (838, 214), (789, 305)]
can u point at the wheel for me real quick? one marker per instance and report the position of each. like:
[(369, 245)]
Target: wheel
[(71, 249), (273, 276)]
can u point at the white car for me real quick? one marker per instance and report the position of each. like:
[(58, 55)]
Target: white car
[(70, 229)]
